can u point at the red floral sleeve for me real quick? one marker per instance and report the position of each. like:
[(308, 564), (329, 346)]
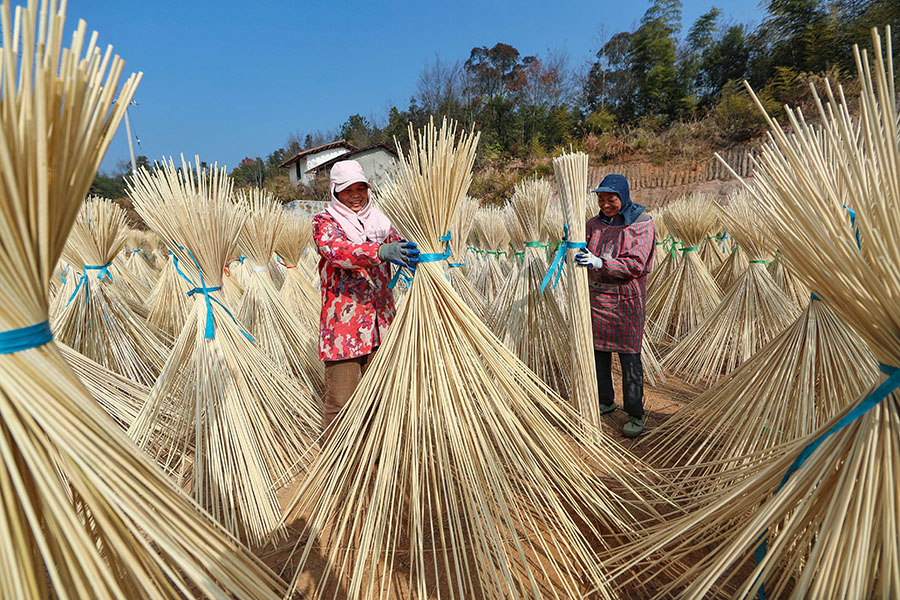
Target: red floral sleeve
[(334, 247)]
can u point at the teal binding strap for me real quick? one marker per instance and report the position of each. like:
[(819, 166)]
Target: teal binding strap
[(25, 338), (104, 271), (424, 258), (556, 266), (884, 390), (210, 332)]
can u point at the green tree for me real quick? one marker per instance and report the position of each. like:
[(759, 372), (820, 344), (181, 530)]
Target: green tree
[(658, 90)]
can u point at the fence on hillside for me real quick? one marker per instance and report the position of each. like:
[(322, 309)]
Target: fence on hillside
[(645, 175)]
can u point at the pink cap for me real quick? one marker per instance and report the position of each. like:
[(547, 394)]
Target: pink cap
[(345, 173)]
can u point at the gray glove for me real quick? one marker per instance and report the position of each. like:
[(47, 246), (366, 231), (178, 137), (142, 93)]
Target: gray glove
[(402, 253), (586, 259)]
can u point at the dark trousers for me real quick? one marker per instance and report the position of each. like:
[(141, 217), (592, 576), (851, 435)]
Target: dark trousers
[(632, 381)]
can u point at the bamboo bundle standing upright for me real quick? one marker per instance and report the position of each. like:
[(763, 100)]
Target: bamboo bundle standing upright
[(85, 514), (754, 310), (494, 238), (446, 475), (466, 261), (94, 319), (530, 323), (297, 293), (238, 422), (168, 304), (711, 251), (818, 519), (571, 172), (732, 269), (784, 277), (689, 293), (275, 329), (792, 386)]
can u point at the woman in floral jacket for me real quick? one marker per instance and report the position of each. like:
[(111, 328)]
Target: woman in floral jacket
[(355, 241)]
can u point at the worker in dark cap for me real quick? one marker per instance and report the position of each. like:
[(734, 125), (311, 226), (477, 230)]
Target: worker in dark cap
[(619, 256)]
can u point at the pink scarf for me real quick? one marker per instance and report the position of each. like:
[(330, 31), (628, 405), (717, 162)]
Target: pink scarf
[(367, 225)]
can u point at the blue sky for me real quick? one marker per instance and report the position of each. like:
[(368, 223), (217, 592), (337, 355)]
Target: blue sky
[(231, 79)]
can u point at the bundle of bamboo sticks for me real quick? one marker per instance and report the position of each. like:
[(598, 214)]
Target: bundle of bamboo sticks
[(275, 329), (96, 320), (238, 422), (449, 475), (84, 513), (571, 172), (754, 310), (689, 293)]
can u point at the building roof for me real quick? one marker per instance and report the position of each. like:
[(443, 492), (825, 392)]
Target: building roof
[(322, 148), (351, 154)]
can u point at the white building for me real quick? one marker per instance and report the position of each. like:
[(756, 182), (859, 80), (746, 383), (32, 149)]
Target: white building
[(378, 161), (303, 165)]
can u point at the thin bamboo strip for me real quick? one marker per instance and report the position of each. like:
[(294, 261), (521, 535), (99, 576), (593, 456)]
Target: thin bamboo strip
[(571, 172), (84, 513), (238, 423), (831, 526), (275, 329), (455, 466)]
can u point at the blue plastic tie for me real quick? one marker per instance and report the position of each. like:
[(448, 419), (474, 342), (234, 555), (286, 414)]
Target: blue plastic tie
[(104, 271), (852, 214), (813, 296), (557, 265), (203, 289), (423, 258), (62, 275), (888, 386), (25, 338)]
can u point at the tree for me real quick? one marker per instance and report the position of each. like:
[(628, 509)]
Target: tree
[(610, 83), (725, 61), (698, 44), (658, 90)]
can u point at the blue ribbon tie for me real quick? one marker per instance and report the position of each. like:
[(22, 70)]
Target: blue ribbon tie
[(556, 266), (25, 338), (424, 258), (104, 272), (884, 390), (210, 332)]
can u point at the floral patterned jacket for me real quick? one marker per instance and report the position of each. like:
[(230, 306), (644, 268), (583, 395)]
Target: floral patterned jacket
[(357, 305)]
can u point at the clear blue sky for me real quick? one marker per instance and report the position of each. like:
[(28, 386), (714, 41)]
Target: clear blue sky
[(232, 79)]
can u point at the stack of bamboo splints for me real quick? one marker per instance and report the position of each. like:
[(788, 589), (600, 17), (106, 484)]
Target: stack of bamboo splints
[(238, 422), (85, 514), (818, 518), (452, 474)]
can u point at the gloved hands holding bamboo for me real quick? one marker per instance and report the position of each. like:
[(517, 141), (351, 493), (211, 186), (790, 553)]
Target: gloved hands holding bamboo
[(586, 259), (403, 253)]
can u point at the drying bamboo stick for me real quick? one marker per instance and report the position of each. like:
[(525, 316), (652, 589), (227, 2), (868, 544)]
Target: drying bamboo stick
[(820, 522)]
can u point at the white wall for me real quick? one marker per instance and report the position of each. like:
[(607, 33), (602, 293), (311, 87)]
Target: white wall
[(377, 163), (314, 160)]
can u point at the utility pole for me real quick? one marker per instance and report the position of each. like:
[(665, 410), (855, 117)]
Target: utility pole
[(130, 141)]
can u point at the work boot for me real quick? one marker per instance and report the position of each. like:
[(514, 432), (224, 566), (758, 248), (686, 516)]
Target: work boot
[(607, 408), (633, 427)]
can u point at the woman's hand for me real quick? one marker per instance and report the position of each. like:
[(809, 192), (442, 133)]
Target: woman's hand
[(403, 253), (586, 259)]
